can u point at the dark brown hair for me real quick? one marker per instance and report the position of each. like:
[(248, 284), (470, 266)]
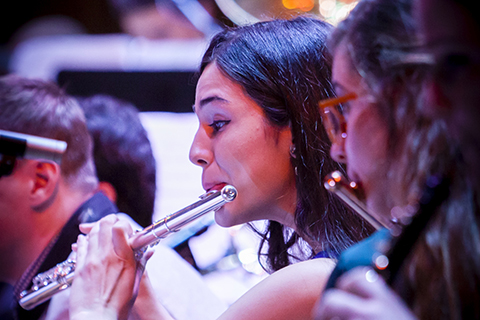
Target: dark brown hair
[(284, 67), (123, 154)]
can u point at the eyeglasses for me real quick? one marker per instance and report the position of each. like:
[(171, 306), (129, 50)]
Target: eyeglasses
[(7, 164), (332, 117)]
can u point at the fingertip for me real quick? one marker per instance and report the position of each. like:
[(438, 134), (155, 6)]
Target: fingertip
[(112, 217), (352, 276), (86, 227), (371, 275), (81, 241)]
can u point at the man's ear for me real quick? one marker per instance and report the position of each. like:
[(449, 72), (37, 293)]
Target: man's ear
[(45, 184), (109, 190)]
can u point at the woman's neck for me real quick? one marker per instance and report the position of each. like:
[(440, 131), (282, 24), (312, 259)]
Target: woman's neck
[(288, 220)]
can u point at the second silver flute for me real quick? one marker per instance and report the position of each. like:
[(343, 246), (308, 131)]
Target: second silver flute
[(50, 282), (335, 182)]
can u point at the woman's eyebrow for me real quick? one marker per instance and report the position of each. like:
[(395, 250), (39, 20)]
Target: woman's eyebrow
[(208, 100)]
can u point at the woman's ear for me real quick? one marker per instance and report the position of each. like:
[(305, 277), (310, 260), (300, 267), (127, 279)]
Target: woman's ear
[(45, 184)]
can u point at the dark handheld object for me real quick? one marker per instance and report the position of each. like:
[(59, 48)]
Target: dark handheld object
[(435, 192), (31, 147), (15, 145)]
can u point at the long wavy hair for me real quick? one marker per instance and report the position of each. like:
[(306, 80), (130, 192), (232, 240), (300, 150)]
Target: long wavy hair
[(284, 67), (441, 277)]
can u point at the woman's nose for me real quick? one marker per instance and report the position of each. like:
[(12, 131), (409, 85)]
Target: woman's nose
[(200, 152), (337, 152)]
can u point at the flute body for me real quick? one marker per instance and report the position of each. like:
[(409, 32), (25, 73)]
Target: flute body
[(336, 183), (48, 283)]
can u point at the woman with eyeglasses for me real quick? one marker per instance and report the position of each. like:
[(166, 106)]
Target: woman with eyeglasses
[(260, 130), (411, 174)]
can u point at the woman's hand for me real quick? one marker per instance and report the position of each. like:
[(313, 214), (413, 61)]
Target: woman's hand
[(106, 274), (361, 294)]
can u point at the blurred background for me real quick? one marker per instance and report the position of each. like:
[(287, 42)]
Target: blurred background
[(146, 52), (152, 19)]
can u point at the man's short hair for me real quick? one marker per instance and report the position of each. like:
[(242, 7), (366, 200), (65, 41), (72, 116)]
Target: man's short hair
[(41, 108), (123, 154)]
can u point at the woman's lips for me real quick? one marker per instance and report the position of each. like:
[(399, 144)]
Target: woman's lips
[(356, 184), (359, 190), (218, 187)]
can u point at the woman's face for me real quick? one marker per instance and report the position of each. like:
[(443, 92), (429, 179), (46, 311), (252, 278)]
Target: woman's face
[(364, 150), (236, 145)]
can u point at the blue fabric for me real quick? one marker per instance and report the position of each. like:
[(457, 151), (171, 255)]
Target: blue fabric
[(360, 254), (325, 254)]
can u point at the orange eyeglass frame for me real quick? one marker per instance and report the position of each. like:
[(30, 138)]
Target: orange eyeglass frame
[(333, 119)]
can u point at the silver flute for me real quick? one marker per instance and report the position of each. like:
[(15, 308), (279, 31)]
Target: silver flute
[(336, 183), (60, 277)]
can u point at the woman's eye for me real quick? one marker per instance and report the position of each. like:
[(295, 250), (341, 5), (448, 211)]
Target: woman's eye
[(218, 124), (344, 109)]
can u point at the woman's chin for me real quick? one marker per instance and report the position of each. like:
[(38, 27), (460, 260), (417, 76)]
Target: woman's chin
[(224, 219)]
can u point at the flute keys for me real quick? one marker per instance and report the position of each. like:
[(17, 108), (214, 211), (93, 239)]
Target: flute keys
[(57, 273)]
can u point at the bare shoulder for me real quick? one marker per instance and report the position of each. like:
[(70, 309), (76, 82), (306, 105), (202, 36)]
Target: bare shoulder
[(289, 293), (319, 268)]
